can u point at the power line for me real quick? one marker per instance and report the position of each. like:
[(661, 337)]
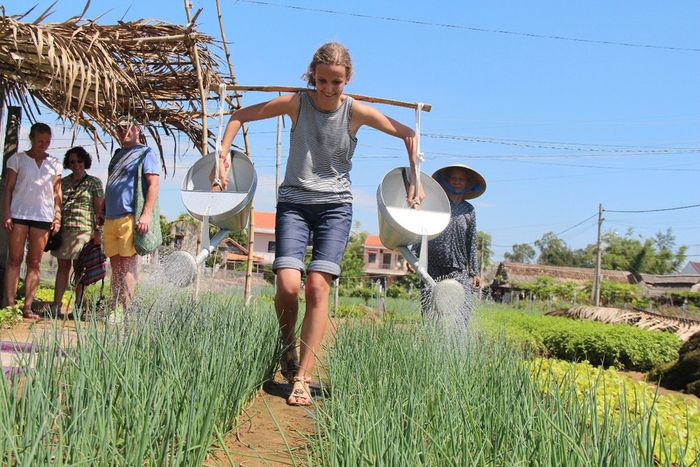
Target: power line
[(574, 226), (567, 147), (655, 210), (556, 234), (475, 29)]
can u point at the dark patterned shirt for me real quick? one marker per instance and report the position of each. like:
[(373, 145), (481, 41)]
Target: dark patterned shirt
[(78, 208), (454, 250)]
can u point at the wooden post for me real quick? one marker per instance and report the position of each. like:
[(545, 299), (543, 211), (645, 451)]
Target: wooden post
[(10, 135), (251, 225), (278, 156), (203, 94), (204, 144), (336, 293)]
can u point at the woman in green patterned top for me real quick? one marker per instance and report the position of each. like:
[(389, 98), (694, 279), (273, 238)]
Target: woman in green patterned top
[(81, 219)]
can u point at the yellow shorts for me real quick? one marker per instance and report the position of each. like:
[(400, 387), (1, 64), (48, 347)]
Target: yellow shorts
[(118, 237)]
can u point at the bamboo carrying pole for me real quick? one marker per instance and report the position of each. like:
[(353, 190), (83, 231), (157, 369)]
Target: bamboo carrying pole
[(374, 100)]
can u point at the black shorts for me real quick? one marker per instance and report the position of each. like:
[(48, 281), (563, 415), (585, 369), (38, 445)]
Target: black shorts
[(33, 224)]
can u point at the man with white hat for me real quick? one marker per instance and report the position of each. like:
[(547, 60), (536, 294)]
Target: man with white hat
[(120, 203)]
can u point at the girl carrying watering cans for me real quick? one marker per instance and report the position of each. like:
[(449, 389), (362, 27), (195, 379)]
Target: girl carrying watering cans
[(314, 198)]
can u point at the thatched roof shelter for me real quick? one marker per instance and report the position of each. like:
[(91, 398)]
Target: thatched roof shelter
[(509, 274), (89, 73), (658, 285)]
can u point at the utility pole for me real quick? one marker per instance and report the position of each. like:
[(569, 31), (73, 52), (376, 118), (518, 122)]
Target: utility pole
[(595, 298)]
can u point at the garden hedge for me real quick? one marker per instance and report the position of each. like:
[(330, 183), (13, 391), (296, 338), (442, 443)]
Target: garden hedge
[(617, 345)]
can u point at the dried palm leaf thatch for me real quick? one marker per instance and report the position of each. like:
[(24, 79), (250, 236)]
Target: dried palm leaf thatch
[(89, 74), (682, 327)]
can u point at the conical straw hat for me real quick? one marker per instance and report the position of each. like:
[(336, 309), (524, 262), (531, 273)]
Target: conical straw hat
[(476, 184)]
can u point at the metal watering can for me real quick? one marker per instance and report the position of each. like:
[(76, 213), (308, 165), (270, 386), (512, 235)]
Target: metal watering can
[(229, 210), (401, 226)]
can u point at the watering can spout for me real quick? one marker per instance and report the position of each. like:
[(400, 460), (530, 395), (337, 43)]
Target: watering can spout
[(415, 264), (211, 245), (229, 210)]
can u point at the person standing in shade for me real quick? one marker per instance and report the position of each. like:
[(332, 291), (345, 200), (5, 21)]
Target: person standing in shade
[(120, 223), (31, 210), (315, 198), (453, 253), (81, 220)]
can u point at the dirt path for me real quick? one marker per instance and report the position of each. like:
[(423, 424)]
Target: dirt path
[(30, 332), (270, 432)]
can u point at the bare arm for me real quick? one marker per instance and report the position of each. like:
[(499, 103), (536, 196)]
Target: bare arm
[(367, 115), (287, 104), (98, 204), (57, 204), (10, 181), (153, 181)]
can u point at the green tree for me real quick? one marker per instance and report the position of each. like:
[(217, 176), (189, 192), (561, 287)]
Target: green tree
[(483, 250), (554, 251), (165, 229), (639, 256), (352, 264), (522, 253)]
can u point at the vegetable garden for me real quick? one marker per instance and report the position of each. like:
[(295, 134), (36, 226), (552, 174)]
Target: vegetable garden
[(163, 388)]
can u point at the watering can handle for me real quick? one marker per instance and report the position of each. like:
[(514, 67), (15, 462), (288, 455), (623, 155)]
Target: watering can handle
[(222, 99), (419, 154)]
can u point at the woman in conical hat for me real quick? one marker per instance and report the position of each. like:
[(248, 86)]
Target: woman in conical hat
[(452, 254)]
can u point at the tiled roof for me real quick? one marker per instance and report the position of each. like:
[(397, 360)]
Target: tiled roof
[(373, 241), (264, 220)]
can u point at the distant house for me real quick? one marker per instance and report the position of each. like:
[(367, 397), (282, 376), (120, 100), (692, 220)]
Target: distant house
[(693, 267), (381, 261), (265, 236), (657, 285), (233, 252), (184, 234), (509, 277)]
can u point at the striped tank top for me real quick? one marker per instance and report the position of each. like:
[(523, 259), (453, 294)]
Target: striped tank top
[(320, 154)]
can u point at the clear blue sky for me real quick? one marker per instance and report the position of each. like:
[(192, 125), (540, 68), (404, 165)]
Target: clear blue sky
[(556, 126)]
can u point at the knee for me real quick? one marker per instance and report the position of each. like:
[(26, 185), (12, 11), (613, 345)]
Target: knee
[(288, 290), (316, 286), (14, 261), (33, 263)]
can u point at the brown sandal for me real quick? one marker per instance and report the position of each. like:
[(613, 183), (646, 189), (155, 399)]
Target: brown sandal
[(301, 394), (289, 364), (30, 316)]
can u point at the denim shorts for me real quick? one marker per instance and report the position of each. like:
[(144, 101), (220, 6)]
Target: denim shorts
[(327, 224)]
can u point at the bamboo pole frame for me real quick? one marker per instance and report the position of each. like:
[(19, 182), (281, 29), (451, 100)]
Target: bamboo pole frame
[(374, 100), (247, 288)]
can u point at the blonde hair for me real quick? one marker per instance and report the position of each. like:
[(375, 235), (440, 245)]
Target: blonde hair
[(331, 53)]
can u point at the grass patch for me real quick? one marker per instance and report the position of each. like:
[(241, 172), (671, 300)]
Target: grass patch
[(404, 395), (153, 390)]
